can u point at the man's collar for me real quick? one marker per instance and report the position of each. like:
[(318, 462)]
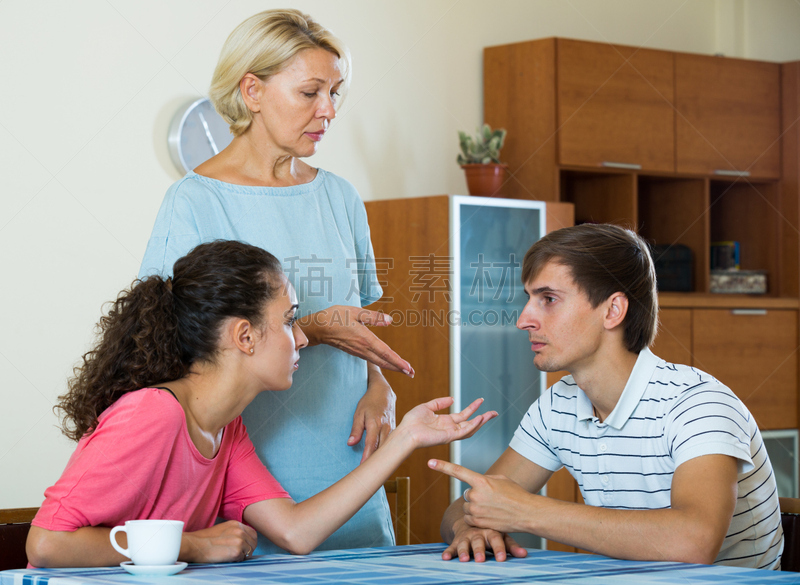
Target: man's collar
[(640, 376)]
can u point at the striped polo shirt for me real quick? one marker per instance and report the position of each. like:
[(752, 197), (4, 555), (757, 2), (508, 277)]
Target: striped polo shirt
[(667, 414)]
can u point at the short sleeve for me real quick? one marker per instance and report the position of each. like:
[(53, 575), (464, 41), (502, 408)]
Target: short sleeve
[(247, 480), (532, 437), (115, 472), (709, 420), (175, 232)]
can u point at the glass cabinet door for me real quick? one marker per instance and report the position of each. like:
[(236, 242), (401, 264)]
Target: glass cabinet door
[(491, 358)]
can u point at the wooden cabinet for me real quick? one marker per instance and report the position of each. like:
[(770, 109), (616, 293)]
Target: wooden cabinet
[(424, 230), (754, 353), (728, 115), (752, 350), (575, 108), (583, 104), (615, 106), (519, 95), (711, 152), (788, 195), (674, 339)]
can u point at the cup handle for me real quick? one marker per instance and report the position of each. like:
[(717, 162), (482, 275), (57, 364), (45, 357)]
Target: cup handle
[(117, 547)]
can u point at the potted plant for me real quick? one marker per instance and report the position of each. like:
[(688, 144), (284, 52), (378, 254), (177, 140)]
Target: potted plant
[(480, 159)]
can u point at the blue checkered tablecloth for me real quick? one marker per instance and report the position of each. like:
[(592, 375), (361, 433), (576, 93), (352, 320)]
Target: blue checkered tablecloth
[(414, 565)]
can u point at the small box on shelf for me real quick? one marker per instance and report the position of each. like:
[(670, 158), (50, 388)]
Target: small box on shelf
[(739, 281)]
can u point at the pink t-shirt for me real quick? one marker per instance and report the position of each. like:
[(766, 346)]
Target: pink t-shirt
[(141, 463)]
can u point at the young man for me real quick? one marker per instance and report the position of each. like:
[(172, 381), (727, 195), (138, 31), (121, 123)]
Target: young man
[(669, 461)]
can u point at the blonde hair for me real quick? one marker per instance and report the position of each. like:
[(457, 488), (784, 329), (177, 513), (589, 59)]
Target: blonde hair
[(263, 45)]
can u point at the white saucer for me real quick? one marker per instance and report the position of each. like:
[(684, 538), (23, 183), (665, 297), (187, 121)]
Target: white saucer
[(153, 569)]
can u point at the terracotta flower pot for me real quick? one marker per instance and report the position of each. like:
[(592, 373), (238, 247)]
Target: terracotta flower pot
[(485, 180)]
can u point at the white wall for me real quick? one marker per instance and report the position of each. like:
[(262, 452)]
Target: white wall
[(87, 90)]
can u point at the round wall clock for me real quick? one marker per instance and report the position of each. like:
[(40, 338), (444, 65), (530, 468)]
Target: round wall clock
[(196, 133)]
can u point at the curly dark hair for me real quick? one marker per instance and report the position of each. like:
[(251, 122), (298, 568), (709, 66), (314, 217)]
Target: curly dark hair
[(158, 328)]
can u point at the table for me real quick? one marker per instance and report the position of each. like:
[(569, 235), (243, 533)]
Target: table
[(415, 565)]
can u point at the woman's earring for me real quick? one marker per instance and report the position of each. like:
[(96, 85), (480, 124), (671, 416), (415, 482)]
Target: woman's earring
[(251, 350)]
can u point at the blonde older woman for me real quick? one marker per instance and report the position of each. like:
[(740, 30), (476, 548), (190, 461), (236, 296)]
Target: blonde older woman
[(277, 83)]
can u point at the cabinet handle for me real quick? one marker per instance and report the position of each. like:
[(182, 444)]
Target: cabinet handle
[(729, 173), (619, 165), (748, 311)]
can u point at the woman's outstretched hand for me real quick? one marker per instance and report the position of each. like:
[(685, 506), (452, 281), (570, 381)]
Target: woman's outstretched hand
[(345, 328), (428, 428), (301, 527)]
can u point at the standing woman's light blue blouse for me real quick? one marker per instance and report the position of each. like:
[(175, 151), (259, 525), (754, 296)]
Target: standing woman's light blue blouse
[(319, 232)]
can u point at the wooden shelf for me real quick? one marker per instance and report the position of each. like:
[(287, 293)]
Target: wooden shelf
[(674, 210), (601, 197), (748, 212), (724, 301), (693, 212)]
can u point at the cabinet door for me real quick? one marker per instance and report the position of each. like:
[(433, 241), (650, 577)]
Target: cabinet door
[(754, 353), (408, 252), (728, 115), (615, 106), (674, 340)]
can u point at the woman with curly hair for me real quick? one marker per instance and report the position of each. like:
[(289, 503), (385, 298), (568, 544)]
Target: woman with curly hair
[(156, 405)]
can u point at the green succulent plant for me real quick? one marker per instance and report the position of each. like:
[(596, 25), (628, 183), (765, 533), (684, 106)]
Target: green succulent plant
[(483, 149)]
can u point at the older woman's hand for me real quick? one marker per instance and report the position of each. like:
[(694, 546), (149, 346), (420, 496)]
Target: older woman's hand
[(375, 413), (345, 328)]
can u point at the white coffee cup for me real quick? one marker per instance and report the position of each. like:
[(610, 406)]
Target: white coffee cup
[(150, 542)]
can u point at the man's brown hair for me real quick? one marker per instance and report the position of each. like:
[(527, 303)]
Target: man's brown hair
[(604, 259)]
